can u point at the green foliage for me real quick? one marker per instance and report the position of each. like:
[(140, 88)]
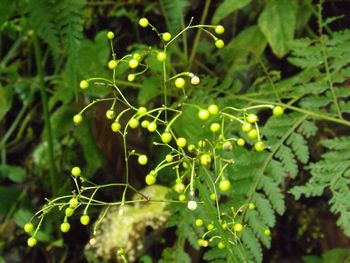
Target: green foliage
[(173, 11), (331, 173), (226, 8)]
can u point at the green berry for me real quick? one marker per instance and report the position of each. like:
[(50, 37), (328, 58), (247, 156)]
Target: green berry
[(199, 222), (73, 202), (238, 227), (201, 143), (145, 124), (259, 146), (210, 227), (214, 127), (182, 198), (31, 242), (213, 109), (84, 84), (112, 64), (115, 126), (76, 171), (110, 114), (120, 252), (69, 211), (181, 142), (191, 148), (202, 242), (169, 158), (143, 22), (205, 159), (180, 83), (252, 118), (203, 114), (161, 56), (142, 159), (65, 226), (166, 137), (240, 142), (219, 43), (77, 119), (84, 220), (142, 110), (213, 196), (152, 127), (219, 29), (131, 77), (133, 63), (221, 245), (150, 179), (251, 206), (133, 123), (28, 227), (267, 232), (110, 35), (179, 187), (246, 127), (225, 185), (277, 111), (252, 134), (136, 56), (166, 36)]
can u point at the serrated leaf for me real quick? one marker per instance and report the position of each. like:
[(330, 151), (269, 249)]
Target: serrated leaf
[(278, 22), (264, 208), (252, 243)]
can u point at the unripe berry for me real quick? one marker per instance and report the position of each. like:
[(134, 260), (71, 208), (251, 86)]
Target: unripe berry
[(28, 227), (166, 36), (181, 142), (84, 220), (152, 127), (221, 245), (267, 232), (161, 56), (84, 84), (65, 226), (238, 227), (69, 211), (277, 111), (180, 83), (166, 137), (205, 159), (252, 118), (77, 119), (76, 171), (213, 109), (182, 198), (142, 159), (169, 158), (31, 242), (246, 127), (112, 64), (150, 179), (133, 63), (115, 126), (179, 187), (142, 110), (131, 77), (224, 185), (219, 43), (133, 123), (259, 146), (145, 124), (214, 127), (199, 222), (219, 29), (240, 142), (251, 206), (110, 114), (143, 22), (252, 134), (203, 114), (110, 35)]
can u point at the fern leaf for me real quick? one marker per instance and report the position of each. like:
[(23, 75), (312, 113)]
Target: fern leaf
[(300, 149), (286, 156), (264, 208), (274, 194), (173, 11), (252, 243), (332, 172)]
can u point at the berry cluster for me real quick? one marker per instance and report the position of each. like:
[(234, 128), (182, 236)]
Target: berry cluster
[(193, 162)]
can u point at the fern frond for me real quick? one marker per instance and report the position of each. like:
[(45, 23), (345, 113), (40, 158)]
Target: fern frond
[(173, 11), (333, 173), (252, 243)]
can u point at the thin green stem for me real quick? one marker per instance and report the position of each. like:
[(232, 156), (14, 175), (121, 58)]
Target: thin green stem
[(44, 101)]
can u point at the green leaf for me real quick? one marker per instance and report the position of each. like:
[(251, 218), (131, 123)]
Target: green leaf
[(91, 152), (14, 173), (227, 7), (173, 11), (6, 95), (150, 89), (278, 22), (22, 216), (8, 197), (252, 243)]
